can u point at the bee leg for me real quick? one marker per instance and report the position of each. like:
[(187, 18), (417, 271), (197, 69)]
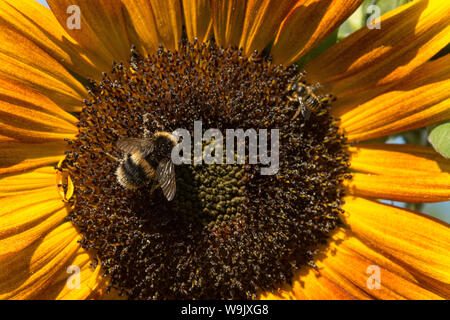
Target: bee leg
[(111, 156), (299, 109), (306, 112), (147, 133), (146, 120), (154, 187)]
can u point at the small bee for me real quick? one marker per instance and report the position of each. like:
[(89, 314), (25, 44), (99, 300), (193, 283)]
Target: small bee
[(307, 99), (147, 160)]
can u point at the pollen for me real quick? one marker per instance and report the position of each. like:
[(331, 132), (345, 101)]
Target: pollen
[(230, 232)]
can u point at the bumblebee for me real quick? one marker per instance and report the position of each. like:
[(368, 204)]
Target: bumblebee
[(148, 160)]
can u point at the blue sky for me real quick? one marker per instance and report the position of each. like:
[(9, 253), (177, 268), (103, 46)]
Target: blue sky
[(42, 1)]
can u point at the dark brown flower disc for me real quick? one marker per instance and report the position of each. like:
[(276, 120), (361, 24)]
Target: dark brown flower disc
[(230, 232)]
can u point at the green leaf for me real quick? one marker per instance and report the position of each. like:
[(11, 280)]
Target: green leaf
[(439, 137), (359, 18), (353, 23)]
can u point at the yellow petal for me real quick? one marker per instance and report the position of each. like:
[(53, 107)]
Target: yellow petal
[(24, 97), (228, 21), (400, 172), (354, 263), (197, 16), (415, 242), (406, 189), (318, 287), (403, 161), (310, 284), (17, 157), (169, 20), (23, 183), (14, 244), (409, 36), (262, 20), (4, 139), (28, 116), (342, 273), (32, 136), (36, 23), (24, 62), (316, 19), (157, 22), (91, 282), (21, 212), (141, 15), (103, 33), (421, 99), (26, 274)]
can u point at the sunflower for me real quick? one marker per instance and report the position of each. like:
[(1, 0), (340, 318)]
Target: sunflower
[(80, 75)]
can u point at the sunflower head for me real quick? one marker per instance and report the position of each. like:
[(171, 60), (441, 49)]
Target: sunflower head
[(313, 228), (230, 231)]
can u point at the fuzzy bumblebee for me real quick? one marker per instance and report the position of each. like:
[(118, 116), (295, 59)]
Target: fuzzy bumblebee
[(147, 160)]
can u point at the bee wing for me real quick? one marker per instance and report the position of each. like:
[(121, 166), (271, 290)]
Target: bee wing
[(165, 174), (132, 145)]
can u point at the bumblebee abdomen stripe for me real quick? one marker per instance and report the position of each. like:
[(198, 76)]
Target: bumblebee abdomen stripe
[(151, 161), (133, 173), (145, 163)]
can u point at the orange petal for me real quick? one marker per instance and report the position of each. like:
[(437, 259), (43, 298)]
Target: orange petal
[(20, 95), (19, 63), (400, 172), (316, 19), (36, 23), (309, 284), (17, 157), (91, 281), (32, 136), (13, 244), (197, 16), (353, 265), (4, 139), (417, 243), (26, 182), (318, 287), (403, 161), (409, 36), (103, 33), (141, 15), (21, 212), (342, 273), (262, 20), (421, 99), (406, 189), (169, 20), (228, 21), (28, 116), (26, 274)]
